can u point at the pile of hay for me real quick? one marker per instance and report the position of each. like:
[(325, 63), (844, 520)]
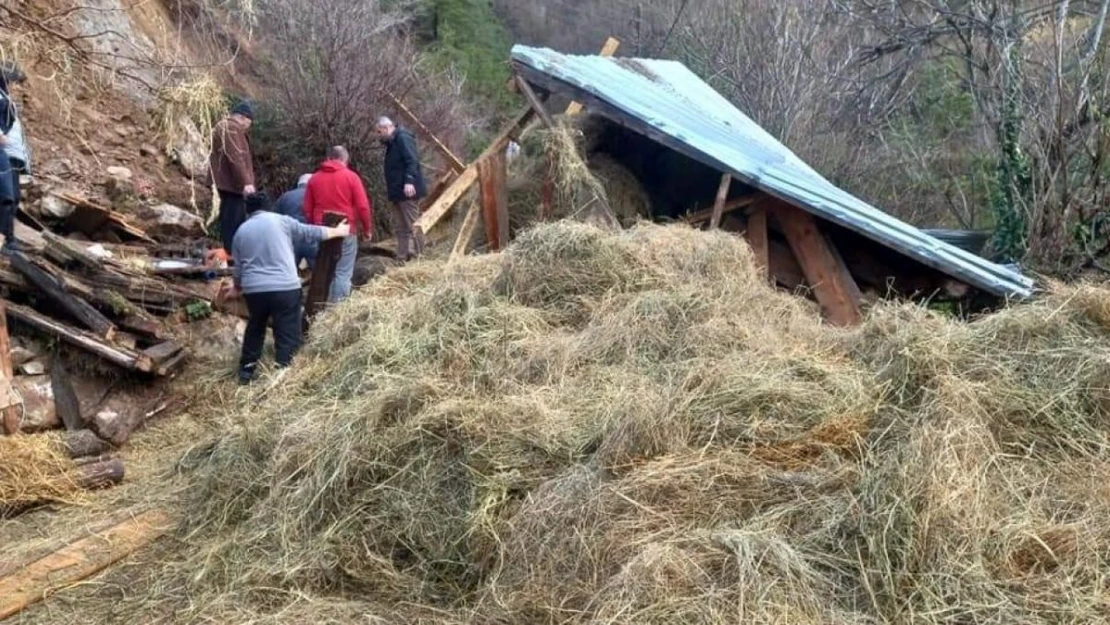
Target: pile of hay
[(34, 470), (630, 427)]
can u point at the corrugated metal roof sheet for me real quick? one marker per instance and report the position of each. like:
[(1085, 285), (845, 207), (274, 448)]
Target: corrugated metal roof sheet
[(670, 103)]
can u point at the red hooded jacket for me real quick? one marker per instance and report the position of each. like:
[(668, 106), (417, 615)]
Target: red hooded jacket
[(336, 189)]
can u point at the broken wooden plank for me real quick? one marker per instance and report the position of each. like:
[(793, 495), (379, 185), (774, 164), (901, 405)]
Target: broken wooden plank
[(466, 232), (438, 189), (756, 235), (10, 412), (833, 286), (719, 203), (323, 272), (535, 102), (79, 560), (83, 340), (607, 50), (89, 217), (452, 160), (729, 206), (171, 365), (53, 287), (494, 198), (469, 176)]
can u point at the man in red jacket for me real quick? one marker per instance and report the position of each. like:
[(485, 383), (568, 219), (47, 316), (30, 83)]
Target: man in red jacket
[(334, 188)]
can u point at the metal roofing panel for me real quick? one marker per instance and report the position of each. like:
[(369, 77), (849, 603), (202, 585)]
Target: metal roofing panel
[(675, 106)]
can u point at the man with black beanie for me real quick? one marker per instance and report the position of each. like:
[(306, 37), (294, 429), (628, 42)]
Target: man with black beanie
[(14, 155), (232, 168), (266, 274)]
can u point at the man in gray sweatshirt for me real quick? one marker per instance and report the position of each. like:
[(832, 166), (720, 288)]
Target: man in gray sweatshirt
[(265, 272)]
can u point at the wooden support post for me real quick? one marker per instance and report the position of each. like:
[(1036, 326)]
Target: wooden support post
[(495, 205), (756, 235), (832, 283), (323, 272), (452, 160), (10, 413), (535, 102), (719, 204), (469, 176), (466, 232), (76, 561), (607, 50)]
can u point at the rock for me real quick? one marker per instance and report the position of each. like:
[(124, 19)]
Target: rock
[(33, 367), (38, 411), (54, 207), (189, 149), (168, 220), (21, 355), (149, 151), (121, 173)]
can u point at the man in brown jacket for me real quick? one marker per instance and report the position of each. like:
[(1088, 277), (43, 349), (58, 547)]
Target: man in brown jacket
[(232, 168)]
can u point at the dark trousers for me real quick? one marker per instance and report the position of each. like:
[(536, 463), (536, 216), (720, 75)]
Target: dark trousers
[(284, 309), (9, 196), (233, 212)]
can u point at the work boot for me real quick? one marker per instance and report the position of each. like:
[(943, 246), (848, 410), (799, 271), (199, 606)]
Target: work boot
[(11, 246)]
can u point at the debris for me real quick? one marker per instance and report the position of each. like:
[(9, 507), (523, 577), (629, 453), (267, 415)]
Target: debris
[(90, 218), (35, 404)]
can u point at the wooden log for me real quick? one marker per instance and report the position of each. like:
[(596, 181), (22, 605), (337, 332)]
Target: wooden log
[(466, 232), (100, 474), (449, 156), (66, 253), (469, 176), (719, 203), (83, 443), (495, 204), (53, 287), (66, 403), (607, 50), (833, 286), (163, 351), (79, 560), (756, 236), (93, 345), (10, 413), (535, 102)]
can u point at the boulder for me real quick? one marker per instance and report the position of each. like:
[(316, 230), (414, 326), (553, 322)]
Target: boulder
[(120, 184), (33, 367), (167, 220), (189, 148), (37, 396)]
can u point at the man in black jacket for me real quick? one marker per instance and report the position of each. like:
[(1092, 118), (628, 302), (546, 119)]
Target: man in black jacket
[(404, 184), (14, 155)]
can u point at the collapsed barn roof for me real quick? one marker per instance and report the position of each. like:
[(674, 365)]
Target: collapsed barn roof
[(668, 103)]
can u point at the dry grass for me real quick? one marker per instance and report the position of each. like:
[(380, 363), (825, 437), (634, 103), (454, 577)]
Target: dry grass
[(599, 427), (34, 470)]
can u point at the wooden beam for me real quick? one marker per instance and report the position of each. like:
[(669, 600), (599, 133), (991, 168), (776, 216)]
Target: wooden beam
[(323, 271), (833, 286), (93, 345), (607, 50), (729, 206), (466, 232), (10, 412), (495, 204), (469, 176), (783, 266), (452, 160), (719, 203), (79, 560), (66, 403), (535, 102), (756, 235), (52, 286)]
